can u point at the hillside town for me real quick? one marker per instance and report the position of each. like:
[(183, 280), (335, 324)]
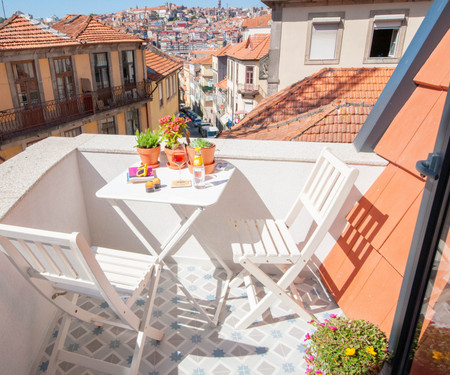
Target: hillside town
[(230, 71), (190, 190)]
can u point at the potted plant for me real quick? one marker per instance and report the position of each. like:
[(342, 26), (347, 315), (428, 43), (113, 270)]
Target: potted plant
[(345, 346), (207, 149), (149, 146), (172, 130)]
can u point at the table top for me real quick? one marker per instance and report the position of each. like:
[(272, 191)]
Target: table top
[(215, 183)]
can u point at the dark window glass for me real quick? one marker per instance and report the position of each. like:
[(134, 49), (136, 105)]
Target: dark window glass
[(101, 70)]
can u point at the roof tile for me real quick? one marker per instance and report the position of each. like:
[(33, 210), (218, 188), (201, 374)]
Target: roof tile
[(159, 63), (19, 32), (87, 29), (316, 108)]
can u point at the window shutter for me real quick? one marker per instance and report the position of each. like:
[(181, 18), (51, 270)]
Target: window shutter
[(323, 41)]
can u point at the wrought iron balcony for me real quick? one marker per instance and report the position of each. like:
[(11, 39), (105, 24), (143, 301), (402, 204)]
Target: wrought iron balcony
[(248, 88), (19, 121)]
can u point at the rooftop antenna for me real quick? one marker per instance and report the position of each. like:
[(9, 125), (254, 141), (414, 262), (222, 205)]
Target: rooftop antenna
[(3, 6)]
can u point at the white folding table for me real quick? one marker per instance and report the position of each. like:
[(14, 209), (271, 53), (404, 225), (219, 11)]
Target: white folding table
[(119, 190)]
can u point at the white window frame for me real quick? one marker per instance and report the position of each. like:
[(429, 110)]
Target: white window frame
[(324, 19), (395, 19)]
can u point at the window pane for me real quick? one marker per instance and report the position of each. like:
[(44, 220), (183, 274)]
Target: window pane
[(382, 42), (394, 40), (100, 59), (431, 353), (323, 41)]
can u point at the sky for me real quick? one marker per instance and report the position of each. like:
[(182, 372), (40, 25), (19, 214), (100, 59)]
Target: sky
[(46, 8)]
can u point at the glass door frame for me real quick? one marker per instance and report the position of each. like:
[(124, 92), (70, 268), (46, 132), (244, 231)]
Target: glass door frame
[(427, 233)]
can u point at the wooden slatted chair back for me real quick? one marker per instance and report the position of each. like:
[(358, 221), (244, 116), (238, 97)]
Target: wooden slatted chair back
[(53, 255), (325, 190)]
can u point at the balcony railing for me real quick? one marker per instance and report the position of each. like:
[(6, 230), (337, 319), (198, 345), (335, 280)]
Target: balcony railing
[(19, 121), (206, 88), (248, 88)]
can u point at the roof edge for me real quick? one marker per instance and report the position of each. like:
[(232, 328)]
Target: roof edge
[(401, 85)]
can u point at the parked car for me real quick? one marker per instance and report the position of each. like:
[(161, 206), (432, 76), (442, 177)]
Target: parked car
[(198, 121), (203, 125), (210, 131)]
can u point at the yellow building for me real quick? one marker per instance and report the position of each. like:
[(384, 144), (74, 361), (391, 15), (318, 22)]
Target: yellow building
[(80, 76), (162, 70)]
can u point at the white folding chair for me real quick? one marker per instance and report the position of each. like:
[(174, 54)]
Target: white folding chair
[(62, 266), (263, 242)]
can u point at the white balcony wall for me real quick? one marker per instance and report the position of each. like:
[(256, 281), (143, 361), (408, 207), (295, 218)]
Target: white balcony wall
[(57, 191)]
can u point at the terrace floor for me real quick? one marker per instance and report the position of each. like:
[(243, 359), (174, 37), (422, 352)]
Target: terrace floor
[(271, 346)]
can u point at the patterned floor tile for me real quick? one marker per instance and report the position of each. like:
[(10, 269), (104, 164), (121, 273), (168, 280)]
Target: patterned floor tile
[(272, 345)]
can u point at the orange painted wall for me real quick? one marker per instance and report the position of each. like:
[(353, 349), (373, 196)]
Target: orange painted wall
[(115, 67), (91, 128), (46, 78), (9, 152), (120, 119), (139, 66), (83, 68), (5, 92)]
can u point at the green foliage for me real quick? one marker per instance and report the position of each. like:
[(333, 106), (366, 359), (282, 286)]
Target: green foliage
[(148, 139), (200, 143), (172, 129), (345, 346)]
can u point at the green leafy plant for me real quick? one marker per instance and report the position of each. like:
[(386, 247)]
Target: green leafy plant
[(172, 129), (148, 139), (200, 143), (345, 346)]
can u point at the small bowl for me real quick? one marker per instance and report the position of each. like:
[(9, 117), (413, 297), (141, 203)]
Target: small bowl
[(208, 168)]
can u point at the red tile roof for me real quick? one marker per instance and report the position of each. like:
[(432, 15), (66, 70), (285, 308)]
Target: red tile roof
[(329, 106), (255, 47), (19, 32), (160, 64), (261, 21), (86, 29), (222, 84), (205, 60), (374, 249)]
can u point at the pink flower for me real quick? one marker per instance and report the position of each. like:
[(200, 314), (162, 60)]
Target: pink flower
[(310, 358), (307, 337), (308, 370), (333, 328), (322, 324), (333, 316), (319, 372), (176, 127), (311, 322)]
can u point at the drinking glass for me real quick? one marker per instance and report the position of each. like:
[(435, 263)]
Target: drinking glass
[(179, 158)]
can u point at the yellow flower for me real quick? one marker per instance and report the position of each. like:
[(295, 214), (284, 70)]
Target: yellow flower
[(437, 355), (370, 350), (350, 351)]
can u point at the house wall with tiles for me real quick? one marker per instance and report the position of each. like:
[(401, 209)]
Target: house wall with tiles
[(356, 27)]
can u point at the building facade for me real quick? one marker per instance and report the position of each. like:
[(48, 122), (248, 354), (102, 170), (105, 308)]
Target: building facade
[(80, 76), (307, 37)]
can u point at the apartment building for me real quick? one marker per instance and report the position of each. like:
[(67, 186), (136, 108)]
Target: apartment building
[(309, 36), (246, 81), (80, 76), (256, 25), (162, 70)]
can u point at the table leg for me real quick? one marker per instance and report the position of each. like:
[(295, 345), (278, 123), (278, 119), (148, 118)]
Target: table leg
[(213, 254), (168, 245)]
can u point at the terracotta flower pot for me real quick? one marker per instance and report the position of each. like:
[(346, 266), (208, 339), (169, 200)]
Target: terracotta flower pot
[(170, 164), (149, 155), (207, 154)]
